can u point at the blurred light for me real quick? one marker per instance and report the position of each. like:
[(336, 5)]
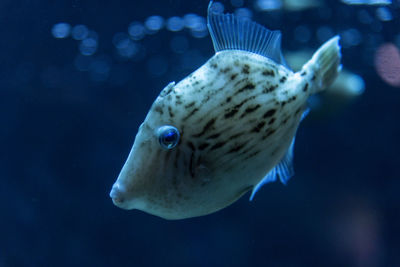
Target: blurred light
[(157, 66), (179, 44), (88, 46), (244, 13), (364, 17), (367, 2), (237, 3), (351, 37), (296, 5), (218, 7), (80, 32), (199, 29), (61, 30), (384, 14), (192, 20), (387, 64), (99, 69), (356, 85), (175, 24), (196, 24), (82, 63), (51, 77), (397, 40), (126, 48), (302, 34), (154, 23), (266, 5), (324, 33), (136, 30)]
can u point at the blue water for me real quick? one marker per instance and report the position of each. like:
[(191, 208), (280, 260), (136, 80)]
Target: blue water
[(70, 107)]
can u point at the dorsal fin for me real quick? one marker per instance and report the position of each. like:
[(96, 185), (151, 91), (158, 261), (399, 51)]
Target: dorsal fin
[(229, 32)]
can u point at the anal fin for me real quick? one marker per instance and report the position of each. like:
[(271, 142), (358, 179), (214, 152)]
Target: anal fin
[(283, 170)]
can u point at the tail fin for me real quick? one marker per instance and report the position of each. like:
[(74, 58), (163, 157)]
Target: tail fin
[(325, 64)]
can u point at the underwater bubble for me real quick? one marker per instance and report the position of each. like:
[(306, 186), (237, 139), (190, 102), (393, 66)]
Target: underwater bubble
[(136, 30), (79, 32), (157, 66), (244, 13), (351, 37), (154, 23), (237, 3), (364, 17), (324, 33), (267, 5), (61, 30), (88, 46), (179, 44), (302, 34), (384, 14), (175, 24), (387, 64)]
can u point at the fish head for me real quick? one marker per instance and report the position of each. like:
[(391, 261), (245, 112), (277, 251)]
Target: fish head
[(162, 173)]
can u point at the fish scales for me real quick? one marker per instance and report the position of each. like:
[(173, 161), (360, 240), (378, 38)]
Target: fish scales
[(225, 129)]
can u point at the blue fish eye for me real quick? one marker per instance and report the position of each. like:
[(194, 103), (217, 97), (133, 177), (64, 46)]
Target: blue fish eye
[(168, 136)]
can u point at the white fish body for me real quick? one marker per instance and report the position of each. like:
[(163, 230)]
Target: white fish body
[(236, 115)]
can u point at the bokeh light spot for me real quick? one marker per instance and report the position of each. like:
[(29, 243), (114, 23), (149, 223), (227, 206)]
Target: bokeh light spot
[(387, 64), (61, 30)]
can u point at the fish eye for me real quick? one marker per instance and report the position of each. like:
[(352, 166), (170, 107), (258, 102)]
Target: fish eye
[(168, 136)]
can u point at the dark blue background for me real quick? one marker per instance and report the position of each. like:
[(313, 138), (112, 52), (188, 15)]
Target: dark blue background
[(64, 138)]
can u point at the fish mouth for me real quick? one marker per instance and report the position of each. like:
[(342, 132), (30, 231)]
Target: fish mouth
[(117, 195)]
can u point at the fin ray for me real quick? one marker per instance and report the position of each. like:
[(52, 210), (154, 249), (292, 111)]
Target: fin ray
[(229, 32), (283, 170)]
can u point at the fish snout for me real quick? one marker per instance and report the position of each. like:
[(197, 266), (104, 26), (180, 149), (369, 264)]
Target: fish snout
[(118, 195)]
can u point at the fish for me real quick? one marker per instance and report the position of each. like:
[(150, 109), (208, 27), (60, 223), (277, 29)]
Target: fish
[(226, 129)]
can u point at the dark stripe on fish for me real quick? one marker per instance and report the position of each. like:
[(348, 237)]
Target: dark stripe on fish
[(246, 69), (252, 155), (214, 136), (258, 127), (268, 73), (159, 110), (190, 105), (268, 132), (235, 109), (269, 113), (250, 110), (171, 114), (236, 148), (203, 146), (249, 86), (190, 114), (235, 136), (208, 125), (217, 145)]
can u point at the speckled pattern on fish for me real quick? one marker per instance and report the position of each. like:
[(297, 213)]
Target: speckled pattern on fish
[(237, 116)]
